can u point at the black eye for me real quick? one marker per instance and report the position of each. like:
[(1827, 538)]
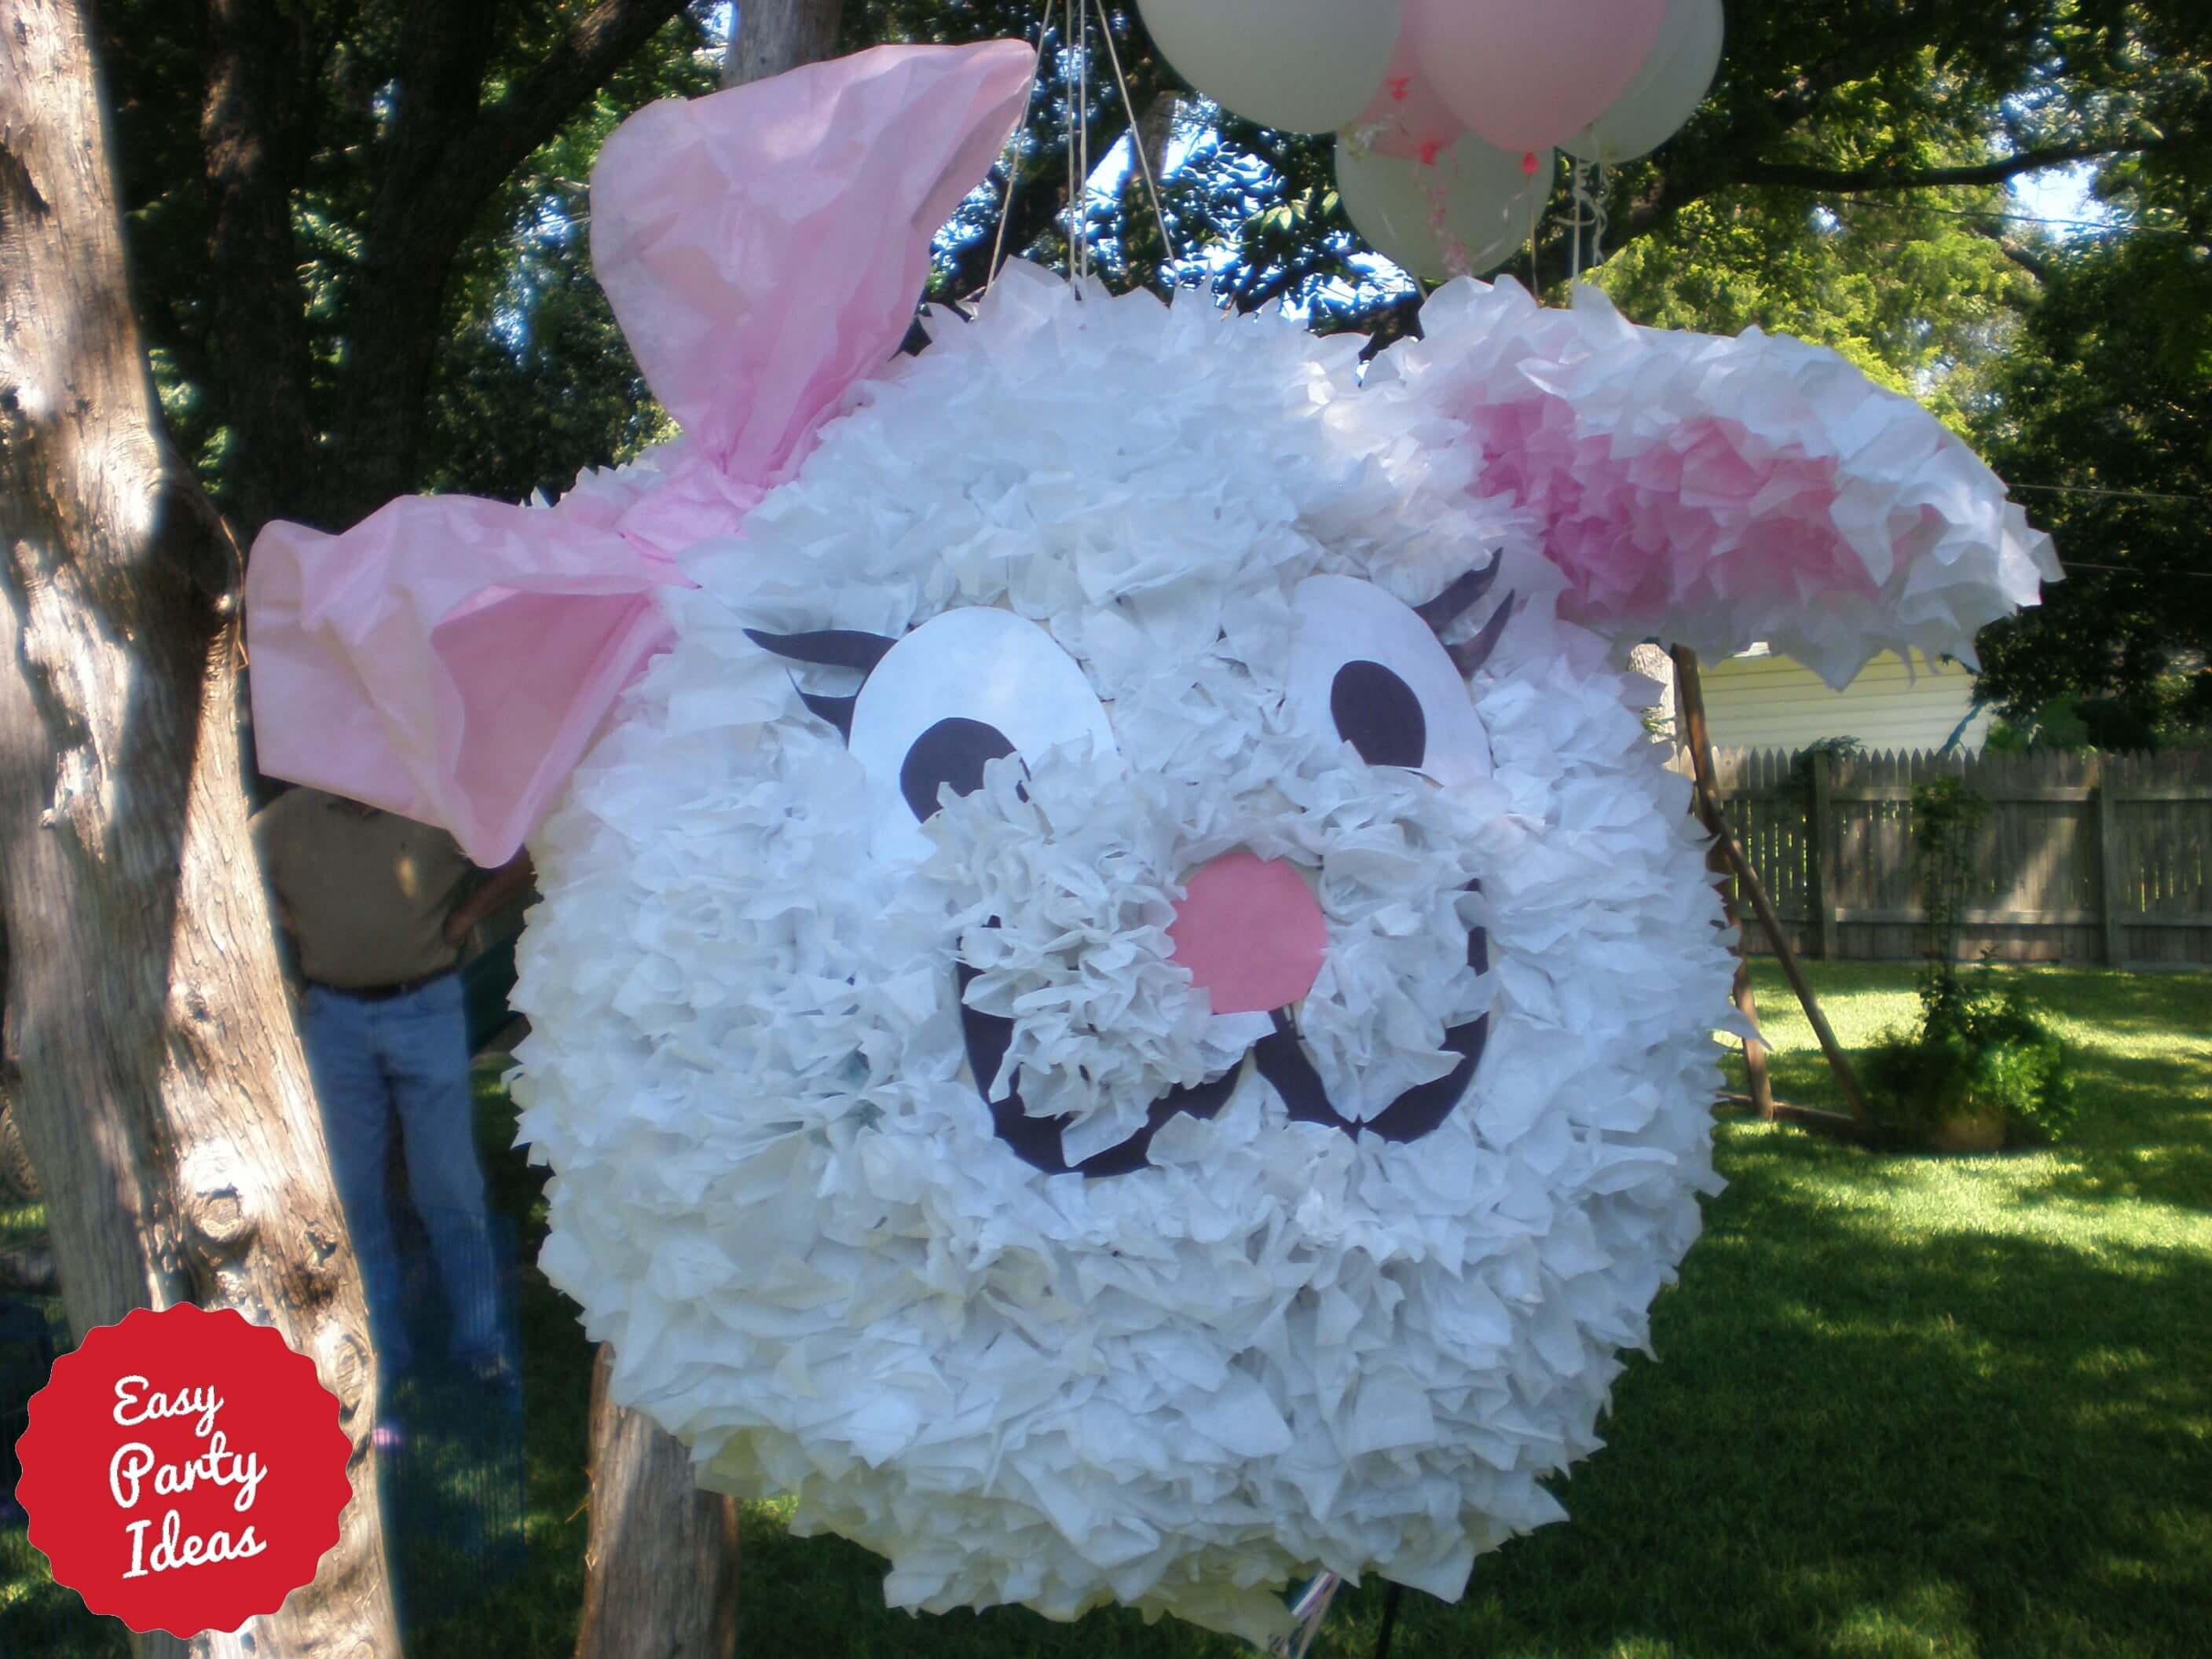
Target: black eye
[(953, 752), (1377, 713)]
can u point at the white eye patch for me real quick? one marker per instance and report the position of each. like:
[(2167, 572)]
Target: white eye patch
[(1366, 670), (959, 691)]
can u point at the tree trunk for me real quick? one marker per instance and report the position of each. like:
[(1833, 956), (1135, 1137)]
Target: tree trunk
[(446, 153), (660, 1565), (776, 35), (153, 1059), (251, 131), (660, 1571), (1155, 132)]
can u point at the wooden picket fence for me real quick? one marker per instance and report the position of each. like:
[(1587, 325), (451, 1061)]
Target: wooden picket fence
[(2083, 858)]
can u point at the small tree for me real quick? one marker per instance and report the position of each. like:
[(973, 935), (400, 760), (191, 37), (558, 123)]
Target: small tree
[(1980, 1068), (1946, 819)]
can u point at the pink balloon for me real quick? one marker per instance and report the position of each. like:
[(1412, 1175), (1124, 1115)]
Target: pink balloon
[(1408, 118), (1526, 73)]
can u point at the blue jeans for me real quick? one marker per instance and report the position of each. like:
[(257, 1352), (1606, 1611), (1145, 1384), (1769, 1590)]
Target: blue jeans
[(408, 1055)]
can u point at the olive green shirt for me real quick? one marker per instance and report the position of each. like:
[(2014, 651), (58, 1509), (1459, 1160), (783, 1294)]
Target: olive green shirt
[(365, 893)]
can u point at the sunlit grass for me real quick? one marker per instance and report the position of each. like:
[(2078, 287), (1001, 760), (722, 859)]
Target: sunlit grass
[(1904, 1407)]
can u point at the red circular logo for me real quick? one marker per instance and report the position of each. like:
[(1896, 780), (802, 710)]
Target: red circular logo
[(184, 1470)]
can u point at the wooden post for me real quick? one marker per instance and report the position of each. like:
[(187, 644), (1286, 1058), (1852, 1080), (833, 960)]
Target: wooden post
[(2109, 878), (1690, 697), (1847, 1082), (1823, 828), (1706, 802)]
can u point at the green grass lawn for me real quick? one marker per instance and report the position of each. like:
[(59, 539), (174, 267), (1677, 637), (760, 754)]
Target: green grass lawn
[(1902, 1407)]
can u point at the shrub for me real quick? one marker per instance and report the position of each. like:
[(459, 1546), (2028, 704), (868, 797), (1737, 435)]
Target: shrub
[(1978, 1054)]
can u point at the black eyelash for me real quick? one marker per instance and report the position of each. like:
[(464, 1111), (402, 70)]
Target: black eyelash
[(827, 647), (1468, 655), (1462, 597), (838, 711)]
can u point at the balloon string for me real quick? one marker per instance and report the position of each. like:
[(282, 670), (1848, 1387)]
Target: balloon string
[(1586, 213), (1067, 92), (1080, 19), (1575, 233), (1536, 200), (1010, 157), (1136, 135), (1599, 222)]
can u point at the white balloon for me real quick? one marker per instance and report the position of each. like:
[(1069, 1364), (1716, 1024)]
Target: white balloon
[(1294, 66), (1465, 215), (1672, 84)]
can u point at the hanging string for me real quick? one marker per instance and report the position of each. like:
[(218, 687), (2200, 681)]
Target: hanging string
[(1599, 223), (1574, 224), (1010, 157), (1082, 18), (1536, 200), (1067, 26), (1136, 137), (1586, 213)]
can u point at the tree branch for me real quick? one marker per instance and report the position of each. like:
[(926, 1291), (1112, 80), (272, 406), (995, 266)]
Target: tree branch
[(1039, 197), (2037, 266), (538, 106), (446, 156)]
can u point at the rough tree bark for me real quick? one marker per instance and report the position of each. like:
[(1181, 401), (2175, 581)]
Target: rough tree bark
[(446, 154), (252, 122), (661, 1565), (1155, 130), (660, 1568), (152, 1057), (774, 35)]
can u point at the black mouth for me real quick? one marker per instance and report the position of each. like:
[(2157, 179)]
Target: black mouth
[(1280, 1057)]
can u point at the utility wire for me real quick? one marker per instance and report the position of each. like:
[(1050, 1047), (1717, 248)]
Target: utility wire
[(2115, 494), (2130, 570)]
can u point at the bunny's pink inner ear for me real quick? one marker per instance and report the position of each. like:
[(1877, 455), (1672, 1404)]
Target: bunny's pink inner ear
[(447, 658), (764, 248), (1717, 492)]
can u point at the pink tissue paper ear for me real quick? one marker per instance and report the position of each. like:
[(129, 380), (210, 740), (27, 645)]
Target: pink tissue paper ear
[(1715, 493), (764, 247), (447, 659), (450, 659)]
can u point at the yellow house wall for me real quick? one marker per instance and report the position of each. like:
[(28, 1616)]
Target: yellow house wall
[(1759, 701)]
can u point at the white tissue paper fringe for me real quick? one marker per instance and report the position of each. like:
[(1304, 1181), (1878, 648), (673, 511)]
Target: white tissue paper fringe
[(776, 1188), (1718, 491)]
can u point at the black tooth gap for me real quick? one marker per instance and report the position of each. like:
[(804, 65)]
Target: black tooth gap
[(1036, 1140), (1281, 1058)]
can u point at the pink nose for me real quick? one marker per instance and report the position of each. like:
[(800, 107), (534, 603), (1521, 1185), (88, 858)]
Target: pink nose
[(1250, 932)]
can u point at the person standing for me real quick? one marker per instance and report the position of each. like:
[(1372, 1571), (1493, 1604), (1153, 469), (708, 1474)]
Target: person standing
[(378, 907)]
